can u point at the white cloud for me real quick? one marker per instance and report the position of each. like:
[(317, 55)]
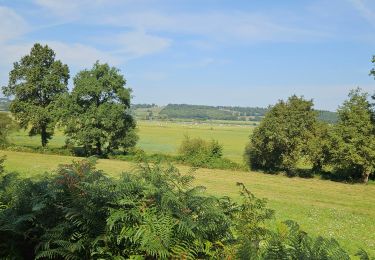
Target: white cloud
[(80, 55), (11, 24), (365, 10), (229, 26), (65, 8), (76, 56), (138, 43), (223, 26)]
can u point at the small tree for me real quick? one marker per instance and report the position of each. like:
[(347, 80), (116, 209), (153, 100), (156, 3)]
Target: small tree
[(281, 139), (97, 112), (36, 82), (353, 150)]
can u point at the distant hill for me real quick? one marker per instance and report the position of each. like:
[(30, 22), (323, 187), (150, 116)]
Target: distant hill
[(327, 116), (4, 104), (200, 112)]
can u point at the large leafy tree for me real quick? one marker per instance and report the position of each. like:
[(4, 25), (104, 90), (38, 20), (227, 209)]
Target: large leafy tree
[(353, 150), (281, 139), (96, 114), (36, 82)]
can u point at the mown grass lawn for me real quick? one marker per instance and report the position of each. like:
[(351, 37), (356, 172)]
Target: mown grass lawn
[(331, 209)]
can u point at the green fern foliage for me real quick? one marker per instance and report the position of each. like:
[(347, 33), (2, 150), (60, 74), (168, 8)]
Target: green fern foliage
[(154, 212)]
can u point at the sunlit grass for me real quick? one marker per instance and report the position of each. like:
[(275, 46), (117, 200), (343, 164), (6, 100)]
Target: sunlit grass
[(343, 211), (165, 137)]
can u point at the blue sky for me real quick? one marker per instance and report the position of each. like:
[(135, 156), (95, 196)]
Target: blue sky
[(213, 52)]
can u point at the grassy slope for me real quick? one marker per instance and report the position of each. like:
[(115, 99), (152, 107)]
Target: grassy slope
[(343, 211), (165, 137)]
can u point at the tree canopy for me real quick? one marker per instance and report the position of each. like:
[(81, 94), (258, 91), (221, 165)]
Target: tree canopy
[(35, 83), (96, 114), (353, 144), (280, 140)]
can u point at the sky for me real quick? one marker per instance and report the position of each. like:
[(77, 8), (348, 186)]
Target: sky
[(209, 52)]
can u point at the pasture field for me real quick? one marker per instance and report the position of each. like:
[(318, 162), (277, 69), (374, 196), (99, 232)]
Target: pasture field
[(331, 209), (166, 136)]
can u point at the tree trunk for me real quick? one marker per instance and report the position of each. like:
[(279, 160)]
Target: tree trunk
[(98, 148), (43, 135), (365, 176)]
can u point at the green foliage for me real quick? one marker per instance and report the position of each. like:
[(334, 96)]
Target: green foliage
[(289, 242), (372, 71), (36, 82), (281, 138), (6, 125), (209, 112), (200, 153), (319, 146), (2, 159), (195, 147), (183, 111), (353, 139), (152, 213), (96, 114)]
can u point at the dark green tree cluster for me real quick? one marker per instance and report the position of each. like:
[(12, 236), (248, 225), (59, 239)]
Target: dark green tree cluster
[(281, 138), (94, 115), (290, 134), (153, 213)]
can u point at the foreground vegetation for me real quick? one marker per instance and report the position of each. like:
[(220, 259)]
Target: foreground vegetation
[(330, 209), (154, 212)]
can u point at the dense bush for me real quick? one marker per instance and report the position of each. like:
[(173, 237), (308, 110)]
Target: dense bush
[(353, 138), (155, 212), (281, 139), (201, 153)]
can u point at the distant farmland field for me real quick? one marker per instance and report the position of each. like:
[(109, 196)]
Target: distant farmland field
[(166, 136)]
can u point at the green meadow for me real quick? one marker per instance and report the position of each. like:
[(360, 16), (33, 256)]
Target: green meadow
[(165, 136), (331, 209)]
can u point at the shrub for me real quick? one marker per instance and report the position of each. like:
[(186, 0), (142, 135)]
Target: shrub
[(199, 152)]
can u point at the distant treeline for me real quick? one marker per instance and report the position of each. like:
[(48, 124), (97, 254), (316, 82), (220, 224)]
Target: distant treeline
[(136, 106), (327, 116), (4, 104), (185, 111)]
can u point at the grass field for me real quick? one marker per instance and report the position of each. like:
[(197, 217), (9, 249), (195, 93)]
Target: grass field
[(343, 211), (165, 136)]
